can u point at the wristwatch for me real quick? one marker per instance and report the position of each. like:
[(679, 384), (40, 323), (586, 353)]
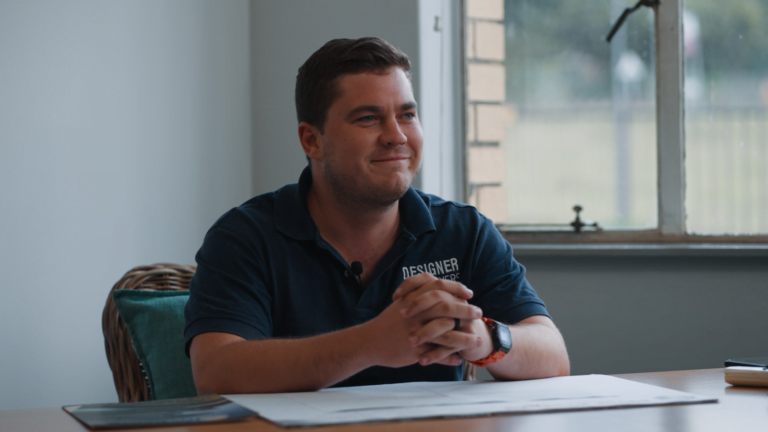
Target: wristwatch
[(502, 343)]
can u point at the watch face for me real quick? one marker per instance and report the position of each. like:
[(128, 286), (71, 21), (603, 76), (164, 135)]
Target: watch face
[(505, 339)]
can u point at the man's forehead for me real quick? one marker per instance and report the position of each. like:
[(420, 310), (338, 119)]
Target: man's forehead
[(372, 74), (369, 88)]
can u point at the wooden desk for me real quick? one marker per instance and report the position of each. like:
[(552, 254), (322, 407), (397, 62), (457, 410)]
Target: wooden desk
[(740, 409)]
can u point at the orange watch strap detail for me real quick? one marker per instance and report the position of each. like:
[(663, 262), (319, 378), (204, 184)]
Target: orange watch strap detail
[(494, 356)]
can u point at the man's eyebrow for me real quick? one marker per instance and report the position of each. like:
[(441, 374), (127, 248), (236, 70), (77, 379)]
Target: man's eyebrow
[(377, 109), (364, 109)]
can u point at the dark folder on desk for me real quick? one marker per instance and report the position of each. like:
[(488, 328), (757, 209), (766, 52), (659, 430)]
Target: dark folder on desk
[(209, 408), (752, 362)]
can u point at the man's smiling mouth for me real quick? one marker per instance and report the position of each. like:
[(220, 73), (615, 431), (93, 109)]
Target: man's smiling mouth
[(391, 159)]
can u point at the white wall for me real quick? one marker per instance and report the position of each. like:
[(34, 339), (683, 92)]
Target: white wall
[(124, 134), (441, 104), (285, 33)]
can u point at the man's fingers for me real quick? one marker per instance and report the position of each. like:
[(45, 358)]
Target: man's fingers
[(454, 359), (426, 282), (430, 331), (439, 303), (433, 330), (439, 354), (412, 284), (437, 335)]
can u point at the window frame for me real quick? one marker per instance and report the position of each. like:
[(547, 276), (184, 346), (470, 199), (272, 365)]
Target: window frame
[(670, 142)]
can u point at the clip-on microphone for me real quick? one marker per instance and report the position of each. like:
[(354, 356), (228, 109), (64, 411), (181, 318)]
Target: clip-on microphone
[(357, 270)]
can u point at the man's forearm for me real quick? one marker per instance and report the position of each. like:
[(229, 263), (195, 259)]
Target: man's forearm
[(280, 365), (538, 351)]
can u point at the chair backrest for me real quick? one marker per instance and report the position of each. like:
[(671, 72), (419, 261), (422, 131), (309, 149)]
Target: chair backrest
[(469, 372), (130, 380)]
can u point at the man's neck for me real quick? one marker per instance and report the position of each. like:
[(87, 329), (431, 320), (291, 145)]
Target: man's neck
[(358, 235)]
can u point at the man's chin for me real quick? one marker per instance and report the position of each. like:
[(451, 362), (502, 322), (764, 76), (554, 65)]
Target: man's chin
[(374, 193), (398, 187), (397, 181), (382, 197)]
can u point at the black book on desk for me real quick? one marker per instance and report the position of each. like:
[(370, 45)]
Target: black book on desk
[(210, 408), (752, 362)]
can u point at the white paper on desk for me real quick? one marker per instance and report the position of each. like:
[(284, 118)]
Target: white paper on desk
[(456, 399)]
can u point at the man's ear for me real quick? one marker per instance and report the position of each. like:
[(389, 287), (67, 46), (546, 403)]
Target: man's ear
[(309, 137)]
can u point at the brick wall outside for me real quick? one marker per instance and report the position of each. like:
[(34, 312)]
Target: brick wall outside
[(485, 114)]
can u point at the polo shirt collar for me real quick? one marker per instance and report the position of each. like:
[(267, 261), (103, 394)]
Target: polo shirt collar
[(292, 214), (415, 217)]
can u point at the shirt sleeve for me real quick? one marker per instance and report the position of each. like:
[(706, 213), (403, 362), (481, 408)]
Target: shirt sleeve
[(228, 292), (498, 280)]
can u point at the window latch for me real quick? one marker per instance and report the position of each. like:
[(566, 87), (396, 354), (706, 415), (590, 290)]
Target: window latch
[(626, 13), (578, 224)]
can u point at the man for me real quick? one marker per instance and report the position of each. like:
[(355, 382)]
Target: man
[(352, 277)]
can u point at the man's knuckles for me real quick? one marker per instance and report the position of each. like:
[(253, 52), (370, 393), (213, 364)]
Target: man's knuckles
[(445, 308), (425, 282), (453, 310), (456, 340), (412, 284), (422, 302), (452, 287)]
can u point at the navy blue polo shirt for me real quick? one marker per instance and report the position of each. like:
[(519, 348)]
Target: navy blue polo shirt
[(264, 271)]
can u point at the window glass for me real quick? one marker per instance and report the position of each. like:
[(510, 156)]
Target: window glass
[(726, 125), (580, 114)]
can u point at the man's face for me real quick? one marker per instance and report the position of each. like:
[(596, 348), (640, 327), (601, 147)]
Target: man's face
[(371, 145)]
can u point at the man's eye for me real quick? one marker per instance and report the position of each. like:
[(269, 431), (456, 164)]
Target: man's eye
[(410, 116), (367, 118)]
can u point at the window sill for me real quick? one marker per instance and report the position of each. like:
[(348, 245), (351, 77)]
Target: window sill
[(589, 236), (642, 249)]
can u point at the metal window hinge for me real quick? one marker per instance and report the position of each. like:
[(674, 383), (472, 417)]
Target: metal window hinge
[(578, 224), (626, 13)]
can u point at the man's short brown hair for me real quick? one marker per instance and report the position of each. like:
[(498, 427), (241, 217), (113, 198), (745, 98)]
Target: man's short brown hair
[(317, 81)]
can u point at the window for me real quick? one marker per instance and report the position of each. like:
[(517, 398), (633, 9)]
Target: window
[(558, 117), (726, 116)]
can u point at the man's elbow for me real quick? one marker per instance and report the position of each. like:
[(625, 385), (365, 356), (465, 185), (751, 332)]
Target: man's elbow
[(561, 364), (553, 368), (206, 381), (203, 389), (557, 363), (213, 374)]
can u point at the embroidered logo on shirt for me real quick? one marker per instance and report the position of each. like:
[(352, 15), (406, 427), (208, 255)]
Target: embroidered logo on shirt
[(443, 269)]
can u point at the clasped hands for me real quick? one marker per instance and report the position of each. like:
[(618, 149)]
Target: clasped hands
[(419, 326)]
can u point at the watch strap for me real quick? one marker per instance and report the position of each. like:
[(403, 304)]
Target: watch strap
[(495, 355)]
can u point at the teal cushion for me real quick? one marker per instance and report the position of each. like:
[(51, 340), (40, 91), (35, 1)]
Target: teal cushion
[(155, 321)]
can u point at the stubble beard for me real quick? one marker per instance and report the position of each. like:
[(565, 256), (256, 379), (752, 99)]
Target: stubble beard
[(351, 193)]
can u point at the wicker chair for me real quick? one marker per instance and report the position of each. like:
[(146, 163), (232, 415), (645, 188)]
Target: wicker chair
[(130, 380)]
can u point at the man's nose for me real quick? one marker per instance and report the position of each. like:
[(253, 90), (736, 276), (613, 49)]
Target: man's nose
[(391, 134)]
